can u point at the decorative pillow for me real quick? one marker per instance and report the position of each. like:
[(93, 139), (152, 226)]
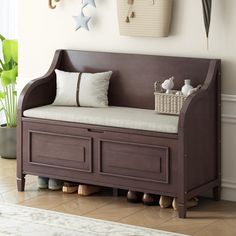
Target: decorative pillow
[(82, 89)]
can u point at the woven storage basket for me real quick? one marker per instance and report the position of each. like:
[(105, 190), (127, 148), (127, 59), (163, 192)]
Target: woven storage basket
[(151, 20), (169, 103)]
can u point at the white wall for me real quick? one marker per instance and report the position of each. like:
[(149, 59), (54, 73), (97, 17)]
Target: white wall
[(8, 18), (43, 30)]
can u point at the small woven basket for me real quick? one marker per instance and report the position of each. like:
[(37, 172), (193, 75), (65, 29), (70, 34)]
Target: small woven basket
[(169, 103)]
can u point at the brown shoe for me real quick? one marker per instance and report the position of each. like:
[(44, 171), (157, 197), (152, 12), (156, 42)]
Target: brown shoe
[(165, 201), (87, 190), (190, 203), (150, 199), (70, 187), (134, 197)]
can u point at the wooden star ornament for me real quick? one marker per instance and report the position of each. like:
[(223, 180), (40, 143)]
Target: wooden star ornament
[(89, 2), (82, 21)]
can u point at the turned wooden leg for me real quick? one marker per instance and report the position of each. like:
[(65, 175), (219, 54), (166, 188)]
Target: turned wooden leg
[(182, 207), (216, 193), (21, 183)]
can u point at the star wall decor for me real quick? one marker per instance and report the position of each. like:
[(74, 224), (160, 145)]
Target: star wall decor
[(89, 2), (82, 21)]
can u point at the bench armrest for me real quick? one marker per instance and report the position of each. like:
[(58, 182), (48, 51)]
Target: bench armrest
[(41, 91), (199, 135), (203, 101)]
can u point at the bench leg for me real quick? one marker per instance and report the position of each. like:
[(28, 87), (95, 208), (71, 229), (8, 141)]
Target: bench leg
[(216, 193), (182, 207), (21, 183)]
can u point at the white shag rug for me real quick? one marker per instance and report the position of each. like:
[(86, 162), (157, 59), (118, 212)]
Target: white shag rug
[(26, 221)]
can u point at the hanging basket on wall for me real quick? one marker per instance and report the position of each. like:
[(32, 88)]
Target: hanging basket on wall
[(144, 18)]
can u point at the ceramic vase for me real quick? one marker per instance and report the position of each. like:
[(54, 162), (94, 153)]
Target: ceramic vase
[(187, 87)]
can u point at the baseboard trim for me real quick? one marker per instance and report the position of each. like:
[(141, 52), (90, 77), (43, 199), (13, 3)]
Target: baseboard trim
[(229, 184), (228, 98), (228, 190), (227, 117)]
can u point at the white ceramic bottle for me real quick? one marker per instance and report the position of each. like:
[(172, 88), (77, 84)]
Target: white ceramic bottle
[(187, 87)]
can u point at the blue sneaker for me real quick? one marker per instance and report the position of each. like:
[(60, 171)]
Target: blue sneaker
[(43, 182), (55, 184)]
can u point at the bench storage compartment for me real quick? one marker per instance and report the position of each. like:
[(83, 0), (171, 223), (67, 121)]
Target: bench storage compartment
[(134, 161)]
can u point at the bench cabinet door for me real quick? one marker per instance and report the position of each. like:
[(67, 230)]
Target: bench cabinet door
[(57, 147), (138, 161)]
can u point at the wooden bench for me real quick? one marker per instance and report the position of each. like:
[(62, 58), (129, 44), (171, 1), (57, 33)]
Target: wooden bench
[(182, 164)]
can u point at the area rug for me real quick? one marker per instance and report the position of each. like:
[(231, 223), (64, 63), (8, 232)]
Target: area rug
[(20, 220)]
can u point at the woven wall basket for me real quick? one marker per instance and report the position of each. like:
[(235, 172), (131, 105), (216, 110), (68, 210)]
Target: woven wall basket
[(152, 18)]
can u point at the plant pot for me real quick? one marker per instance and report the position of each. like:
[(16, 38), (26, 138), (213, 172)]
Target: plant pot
[(150, 18), (7, 142)]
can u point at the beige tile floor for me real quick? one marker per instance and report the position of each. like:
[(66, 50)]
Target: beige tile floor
[(208, 219)]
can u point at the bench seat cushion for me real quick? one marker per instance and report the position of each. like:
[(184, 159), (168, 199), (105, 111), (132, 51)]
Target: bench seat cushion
[(122, 117)]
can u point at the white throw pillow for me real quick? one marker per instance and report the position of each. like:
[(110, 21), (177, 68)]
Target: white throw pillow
[(82, 89)]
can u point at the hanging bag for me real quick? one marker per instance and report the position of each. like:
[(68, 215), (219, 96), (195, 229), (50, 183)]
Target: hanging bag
[(144, 18)]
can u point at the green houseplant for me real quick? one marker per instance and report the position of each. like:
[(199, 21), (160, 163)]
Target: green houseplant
[(8, 96)]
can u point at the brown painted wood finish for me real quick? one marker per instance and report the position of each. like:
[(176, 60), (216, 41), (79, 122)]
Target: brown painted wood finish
[(181, 165)]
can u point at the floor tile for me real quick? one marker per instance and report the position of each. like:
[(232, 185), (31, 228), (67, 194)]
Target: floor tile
[(150, 217), (219, 227), (16, 197), (209, 209), (83, 205), (48, 200), (119, 208), (189, 226), (7, 172), (7, 163)]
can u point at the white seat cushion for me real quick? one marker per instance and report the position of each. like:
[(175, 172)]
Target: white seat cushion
[(121, 117)]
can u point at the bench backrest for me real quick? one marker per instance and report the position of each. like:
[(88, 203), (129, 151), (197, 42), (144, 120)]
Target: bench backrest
[(134, 75)]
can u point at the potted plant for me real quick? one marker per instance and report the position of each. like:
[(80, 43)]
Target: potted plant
[(8, 96)]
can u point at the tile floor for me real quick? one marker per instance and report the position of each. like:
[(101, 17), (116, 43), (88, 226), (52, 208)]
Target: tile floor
[(208, 219)]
